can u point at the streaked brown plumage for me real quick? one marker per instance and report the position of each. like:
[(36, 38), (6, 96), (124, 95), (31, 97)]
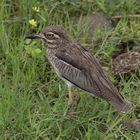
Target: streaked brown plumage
[(76, 66)]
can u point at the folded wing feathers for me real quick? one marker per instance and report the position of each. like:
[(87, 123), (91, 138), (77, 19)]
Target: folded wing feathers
[(90, 76)]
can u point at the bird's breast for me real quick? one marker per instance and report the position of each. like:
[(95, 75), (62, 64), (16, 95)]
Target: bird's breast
[(53, 60)]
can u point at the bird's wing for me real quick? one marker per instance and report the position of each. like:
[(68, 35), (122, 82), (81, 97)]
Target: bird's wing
[(75, 68), (79, 67)]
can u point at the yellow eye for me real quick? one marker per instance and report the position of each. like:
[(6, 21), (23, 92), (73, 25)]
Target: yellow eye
[(49, 36)]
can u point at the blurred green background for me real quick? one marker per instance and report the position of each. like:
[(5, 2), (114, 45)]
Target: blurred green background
[(32, 97)]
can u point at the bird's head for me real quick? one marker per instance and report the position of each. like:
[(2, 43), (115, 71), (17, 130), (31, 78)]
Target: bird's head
[(52, 35)]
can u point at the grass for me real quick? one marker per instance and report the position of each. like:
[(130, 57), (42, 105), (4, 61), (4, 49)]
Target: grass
[(32, 97)]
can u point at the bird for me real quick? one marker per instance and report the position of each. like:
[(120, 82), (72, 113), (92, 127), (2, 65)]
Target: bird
[(77, 66)]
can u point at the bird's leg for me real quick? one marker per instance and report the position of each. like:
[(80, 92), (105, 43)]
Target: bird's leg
[(70, 100)]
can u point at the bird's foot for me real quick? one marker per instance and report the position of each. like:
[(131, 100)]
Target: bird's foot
[(73, 101)]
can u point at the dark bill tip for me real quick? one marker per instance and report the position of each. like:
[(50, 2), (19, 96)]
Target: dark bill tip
[(32, 36)]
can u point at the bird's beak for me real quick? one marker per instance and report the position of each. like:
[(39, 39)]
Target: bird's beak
[(35, 36)]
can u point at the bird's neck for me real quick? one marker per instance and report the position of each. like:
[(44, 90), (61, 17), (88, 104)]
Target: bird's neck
[(52, 46), (52, 49)]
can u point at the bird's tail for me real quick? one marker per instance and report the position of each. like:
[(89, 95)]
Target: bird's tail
[(112, 96), (122, 106)]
